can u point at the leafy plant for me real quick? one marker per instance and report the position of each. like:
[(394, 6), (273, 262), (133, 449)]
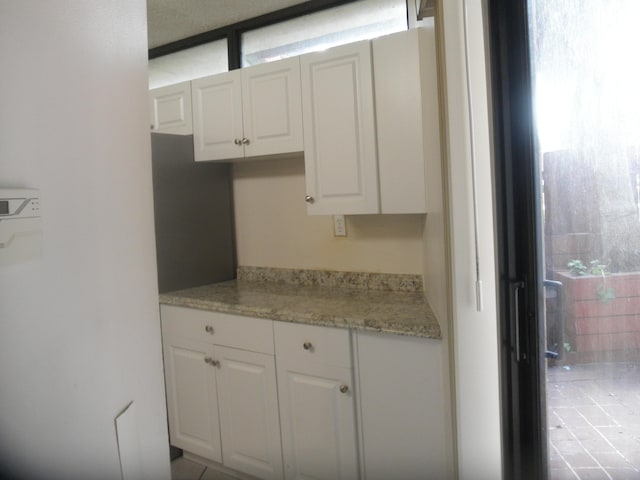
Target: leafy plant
[(567, 346), (597, 268), (577, 268), (603, 293)]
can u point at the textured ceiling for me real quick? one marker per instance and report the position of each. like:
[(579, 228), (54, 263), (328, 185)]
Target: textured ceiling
[(171, 20)]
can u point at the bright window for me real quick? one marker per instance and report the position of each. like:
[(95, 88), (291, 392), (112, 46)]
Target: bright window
[(188, 64), (348, 23)]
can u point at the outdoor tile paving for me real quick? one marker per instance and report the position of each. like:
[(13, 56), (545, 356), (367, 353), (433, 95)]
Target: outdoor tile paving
[(594, 421)]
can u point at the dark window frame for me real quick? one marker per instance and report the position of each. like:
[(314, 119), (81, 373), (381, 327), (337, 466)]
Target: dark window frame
[(233, 33)]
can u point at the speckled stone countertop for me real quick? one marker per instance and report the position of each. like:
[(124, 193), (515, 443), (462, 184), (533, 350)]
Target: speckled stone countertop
[(379, 302)]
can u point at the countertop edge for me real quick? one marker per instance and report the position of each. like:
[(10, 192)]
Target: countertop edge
[(430, 328)]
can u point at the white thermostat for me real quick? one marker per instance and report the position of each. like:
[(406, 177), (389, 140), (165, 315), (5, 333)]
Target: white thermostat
[(20, 226)]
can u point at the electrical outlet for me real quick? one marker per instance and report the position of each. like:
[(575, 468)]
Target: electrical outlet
[(339, 226)]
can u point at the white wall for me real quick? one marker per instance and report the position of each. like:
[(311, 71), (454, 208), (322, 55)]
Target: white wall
[(474, 333), (79, 328), (274, 230)]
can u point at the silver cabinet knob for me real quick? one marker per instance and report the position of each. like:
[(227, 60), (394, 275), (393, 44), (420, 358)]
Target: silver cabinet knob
[(307, 346), (309, 199), (344, 388), (208, 329), (245, 141), (237, 141), (212, 362)]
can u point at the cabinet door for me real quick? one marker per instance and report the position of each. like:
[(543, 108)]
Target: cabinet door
[(318, 422), (341, 170), (217, 117), (406, 97), (249, 419), (272, 108), (191, 396), (170, 109)]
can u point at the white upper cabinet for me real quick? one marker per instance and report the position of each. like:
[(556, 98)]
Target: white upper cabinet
[(272, 108), (217, 116), (251, 112), (406, 98), (370, 113), (341, 170), (170, 109)]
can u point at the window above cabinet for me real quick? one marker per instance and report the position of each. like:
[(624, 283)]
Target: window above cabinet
[(360, 20), (195, 62)]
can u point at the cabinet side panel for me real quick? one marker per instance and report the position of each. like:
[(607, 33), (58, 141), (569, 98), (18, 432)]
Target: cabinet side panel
[(405, 423)]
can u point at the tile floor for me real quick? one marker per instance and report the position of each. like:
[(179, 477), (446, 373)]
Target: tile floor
[(183, 469), (594, 421)]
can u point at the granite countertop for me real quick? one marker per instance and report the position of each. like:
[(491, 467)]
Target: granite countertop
[(377, 302)]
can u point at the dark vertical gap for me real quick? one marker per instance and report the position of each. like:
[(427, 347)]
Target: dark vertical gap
[(234, 49), (519, 247)]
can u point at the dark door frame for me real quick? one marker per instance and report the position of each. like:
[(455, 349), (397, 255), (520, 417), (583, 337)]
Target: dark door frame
[(519, 244)]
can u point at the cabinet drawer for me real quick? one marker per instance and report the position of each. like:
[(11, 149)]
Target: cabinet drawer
[(310, 344), (237, 331)]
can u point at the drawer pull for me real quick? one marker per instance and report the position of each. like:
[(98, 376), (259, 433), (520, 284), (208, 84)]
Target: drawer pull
[(209, 329), (307, 346), (344, 388)]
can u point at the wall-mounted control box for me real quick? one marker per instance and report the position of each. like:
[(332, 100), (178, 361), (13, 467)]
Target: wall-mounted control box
[(20, 225)]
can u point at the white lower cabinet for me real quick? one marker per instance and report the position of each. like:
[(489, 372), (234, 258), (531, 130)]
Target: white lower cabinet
[(405, 411), (222, 399), (248, 405), (191, 397), (317, 407), (346, 404)]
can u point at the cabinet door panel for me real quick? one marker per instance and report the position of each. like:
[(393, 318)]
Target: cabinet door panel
[(191, 397), (318, 423), (272, 108), (217, 117), (170, 109), (339, 136), (249, 418)]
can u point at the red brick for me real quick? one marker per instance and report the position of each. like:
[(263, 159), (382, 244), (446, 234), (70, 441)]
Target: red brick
[(618, 306), (597, 325), (610, 341)]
